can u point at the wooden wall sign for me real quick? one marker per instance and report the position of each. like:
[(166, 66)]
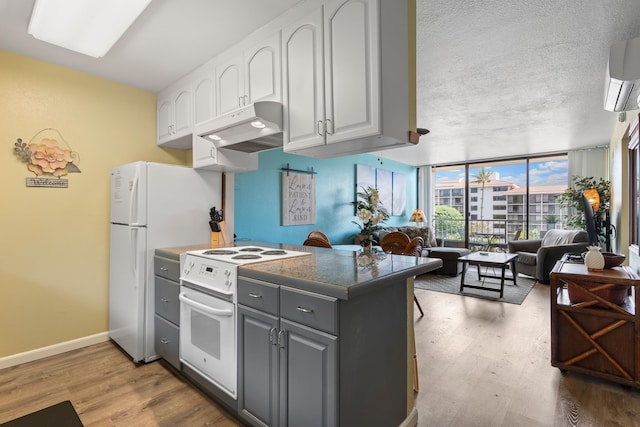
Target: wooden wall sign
[(298, 198)]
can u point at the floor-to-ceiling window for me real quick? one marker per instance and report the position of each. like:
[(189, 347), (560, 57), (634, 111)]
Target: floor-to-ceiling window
[(484, 205)]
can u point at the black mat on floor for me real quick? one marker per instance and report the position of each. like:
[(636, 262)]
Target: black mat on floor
[(451, 285), (59, 415)]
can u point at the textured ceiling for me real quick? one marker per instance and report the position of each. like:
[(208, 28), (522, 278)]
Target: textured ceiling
[(495, 78), (508, 78)]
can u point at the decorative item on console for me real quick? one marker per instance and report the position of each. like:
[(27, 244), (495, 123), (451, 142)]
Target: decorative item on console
[(594, 259), (370, 211)]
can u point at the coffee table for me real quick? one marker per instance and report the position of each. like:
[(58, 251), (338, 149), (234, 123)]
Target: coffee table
[(489, 259)]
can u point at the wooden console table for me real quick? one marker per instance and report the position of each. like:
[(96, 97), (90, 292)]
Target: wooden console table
[(595, 329)]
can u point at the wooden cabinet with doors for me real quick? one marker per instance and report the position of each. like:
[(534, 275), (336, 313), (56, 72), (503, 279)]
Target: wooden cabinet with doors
[(287, 370), (594, 323), (167, 309), (204, 99), (175, 121), (335, 81), (207, 156), (249, 75), (307, 359)]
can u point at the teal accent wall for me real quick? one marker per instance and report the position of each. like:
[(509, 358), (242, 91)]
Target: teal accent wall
[(258, 197)]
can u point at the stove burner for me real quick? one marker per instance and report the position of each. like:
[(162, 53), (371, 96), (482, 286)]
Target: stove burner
[(246, 256), (274, 252), (219, 252), (251, 250)]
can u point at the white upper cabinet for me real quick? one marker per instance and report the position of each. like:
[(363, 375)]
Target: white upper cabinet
[(303, 84), (263, 75), (203, 84), (251, 75), (175, 122), (333, 81), (230, 85), (351, 69), (207, 156)]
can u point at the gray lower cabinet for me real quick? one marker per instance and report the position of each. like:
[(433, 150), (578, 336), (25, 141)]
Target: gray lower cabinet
[(287, 370), (167, 309)]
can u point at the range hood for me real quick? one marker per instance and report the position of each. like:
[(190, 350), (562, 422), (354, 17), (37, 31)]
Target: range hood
[(256, 127)]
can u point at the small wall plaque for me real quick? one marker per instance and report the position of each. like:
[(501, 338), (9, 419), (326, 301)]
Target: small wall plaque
[(47, 182)]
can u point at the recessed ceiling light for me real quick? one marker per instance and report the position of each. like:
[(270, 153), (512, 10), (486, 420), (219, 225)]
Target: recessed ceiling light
[(214, 137), (90, 27)]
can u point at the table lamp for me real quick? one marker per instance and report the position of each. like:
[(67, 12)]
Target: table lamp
[(417, 216), (593, 198)]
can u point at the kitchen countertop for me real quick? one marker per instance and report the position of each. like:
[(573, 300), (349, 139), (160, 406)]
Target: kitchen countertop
[(342, 274)]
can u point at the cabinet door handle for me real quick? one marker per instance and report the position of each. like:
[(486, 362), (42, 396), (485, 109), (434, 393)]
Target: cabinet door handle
[(330, 122), (164, 341), (281, 338), (319, 128), (164, 268), (164, 299), (239, 101), (272, 336), (304, 310), (245, 99), (252, 295)]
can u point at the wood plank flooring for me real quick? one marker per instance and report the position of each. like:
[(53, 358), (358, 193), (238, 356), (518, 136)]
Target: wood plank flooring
[(107, 389), (481, 363)]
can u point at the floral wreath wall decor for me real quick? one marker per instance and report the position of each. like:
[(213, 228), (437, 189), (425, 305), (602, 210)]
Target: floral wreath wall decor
[(49, 157)]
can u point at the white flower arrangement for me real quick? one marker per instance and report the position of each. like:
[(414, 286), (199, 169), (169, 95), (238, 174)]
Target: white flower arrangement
[(370, 212)]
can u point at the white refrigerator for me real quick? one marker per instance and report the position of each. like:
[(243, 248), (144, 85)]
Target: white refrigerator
[(153, 206)]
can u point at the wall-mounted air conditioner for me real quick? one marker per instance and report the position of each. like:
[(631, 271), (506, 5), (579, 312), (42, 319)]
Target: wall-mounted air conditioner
[(622, 82)]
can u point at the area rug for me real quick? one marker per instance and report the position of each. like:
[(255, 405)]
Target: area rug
[(451, 285), (61, 414)]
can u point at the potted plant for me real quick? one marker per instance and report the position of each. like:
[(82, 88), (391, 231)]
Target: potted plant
[(371, 213), (572, 198)]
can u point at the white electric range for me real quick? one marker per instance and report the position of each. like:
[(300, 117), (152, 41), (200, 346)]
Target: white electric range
[(208, 306)]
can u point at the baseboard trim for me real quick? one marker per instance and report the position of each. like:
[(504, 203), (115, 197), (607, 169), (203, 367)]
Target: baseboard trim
[(412, 419), (52, 350)]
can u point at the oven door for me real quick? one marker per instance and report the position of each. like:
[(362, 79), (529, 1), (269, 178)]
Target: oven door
[(208, 338)]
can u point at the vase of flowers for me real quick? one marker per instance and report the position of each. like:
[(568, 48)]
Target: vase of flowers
[(371, 214)]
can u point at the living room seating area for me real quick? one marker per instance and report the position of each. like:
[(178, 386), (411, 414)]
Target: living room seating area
[(431, 248), (536, 257)]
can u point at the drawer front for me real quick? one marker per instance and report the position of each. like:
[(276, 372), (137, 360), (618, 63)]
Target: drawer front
[(262, 296), (167, 340), (313, 310), (166, 300), (167, 268)]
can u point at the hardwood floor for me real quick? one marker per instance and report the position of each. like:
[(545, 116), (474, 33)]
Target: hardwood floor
[(481, 363), (107, 389)]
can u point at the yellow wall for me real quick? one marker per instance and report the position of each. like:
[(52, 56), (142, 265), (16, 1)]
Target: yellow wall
[(54, 242)]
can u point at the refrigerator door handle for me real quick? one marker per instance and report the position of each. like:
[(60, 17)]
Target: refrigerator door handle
[(133, 244), (133, 199)]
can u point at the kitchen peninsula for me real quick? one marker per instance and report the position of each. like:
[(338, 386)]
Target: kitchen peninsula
[(324, 339)]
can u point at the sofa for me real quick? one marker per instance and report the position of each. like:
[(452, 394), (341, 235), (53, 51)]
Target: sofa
[(537, 257), (432, 248)]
